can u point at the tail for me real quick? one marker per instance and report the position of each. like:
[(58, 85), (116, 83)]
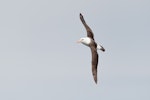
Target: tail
[(99, 47)]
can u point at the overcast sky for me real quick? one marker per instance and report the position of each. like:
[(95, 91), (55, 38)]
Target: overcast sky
[(40, 59)]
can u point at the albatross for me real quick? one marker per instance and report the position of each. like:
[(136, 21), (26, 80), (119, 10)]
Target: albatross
[(90, 42)]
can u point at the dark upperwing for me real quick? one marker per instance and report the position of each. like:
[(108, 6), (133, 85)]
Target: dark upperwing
[(89, 31), (94, 61)]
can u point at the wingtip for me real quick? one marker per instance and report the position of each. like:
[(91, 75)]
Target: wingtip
[(95, 82), (81, 15)]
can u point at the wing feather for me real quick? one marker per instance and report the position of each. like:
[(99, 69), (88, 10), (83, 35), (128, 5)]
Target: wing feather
[(94, 62), (88, 29)]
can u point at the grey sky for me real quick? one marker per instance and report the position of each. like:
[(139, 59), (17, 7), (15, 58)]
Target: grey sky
[(40, 60)]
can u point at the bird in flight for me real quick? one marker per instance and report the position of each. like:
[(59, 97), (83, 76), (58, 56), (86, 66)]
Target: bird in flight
[(90, 42)]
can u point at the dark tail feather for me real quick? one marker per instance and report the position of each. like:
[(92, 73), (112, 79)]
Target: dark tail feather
[(102, 49)]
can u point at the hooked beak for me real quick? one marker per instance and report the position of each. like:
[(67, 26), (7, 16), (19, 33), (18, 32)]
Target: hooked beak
[(79, 41)]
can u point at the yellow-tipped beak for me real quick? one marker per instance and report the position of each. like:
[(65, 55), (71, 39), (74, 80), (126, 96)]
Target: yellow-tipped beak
[(79, 41)]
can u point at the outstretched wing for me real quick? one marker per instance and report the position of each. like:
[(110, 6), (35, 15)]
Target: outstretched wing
[(89, 31), (94, 62)]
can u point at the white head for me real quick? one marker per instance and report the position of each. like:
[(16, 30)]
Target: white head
[(86, 41)]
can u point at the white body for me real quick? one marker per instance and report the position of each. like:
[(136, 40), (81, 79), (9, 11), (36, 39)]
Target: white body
[(86, 41)]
